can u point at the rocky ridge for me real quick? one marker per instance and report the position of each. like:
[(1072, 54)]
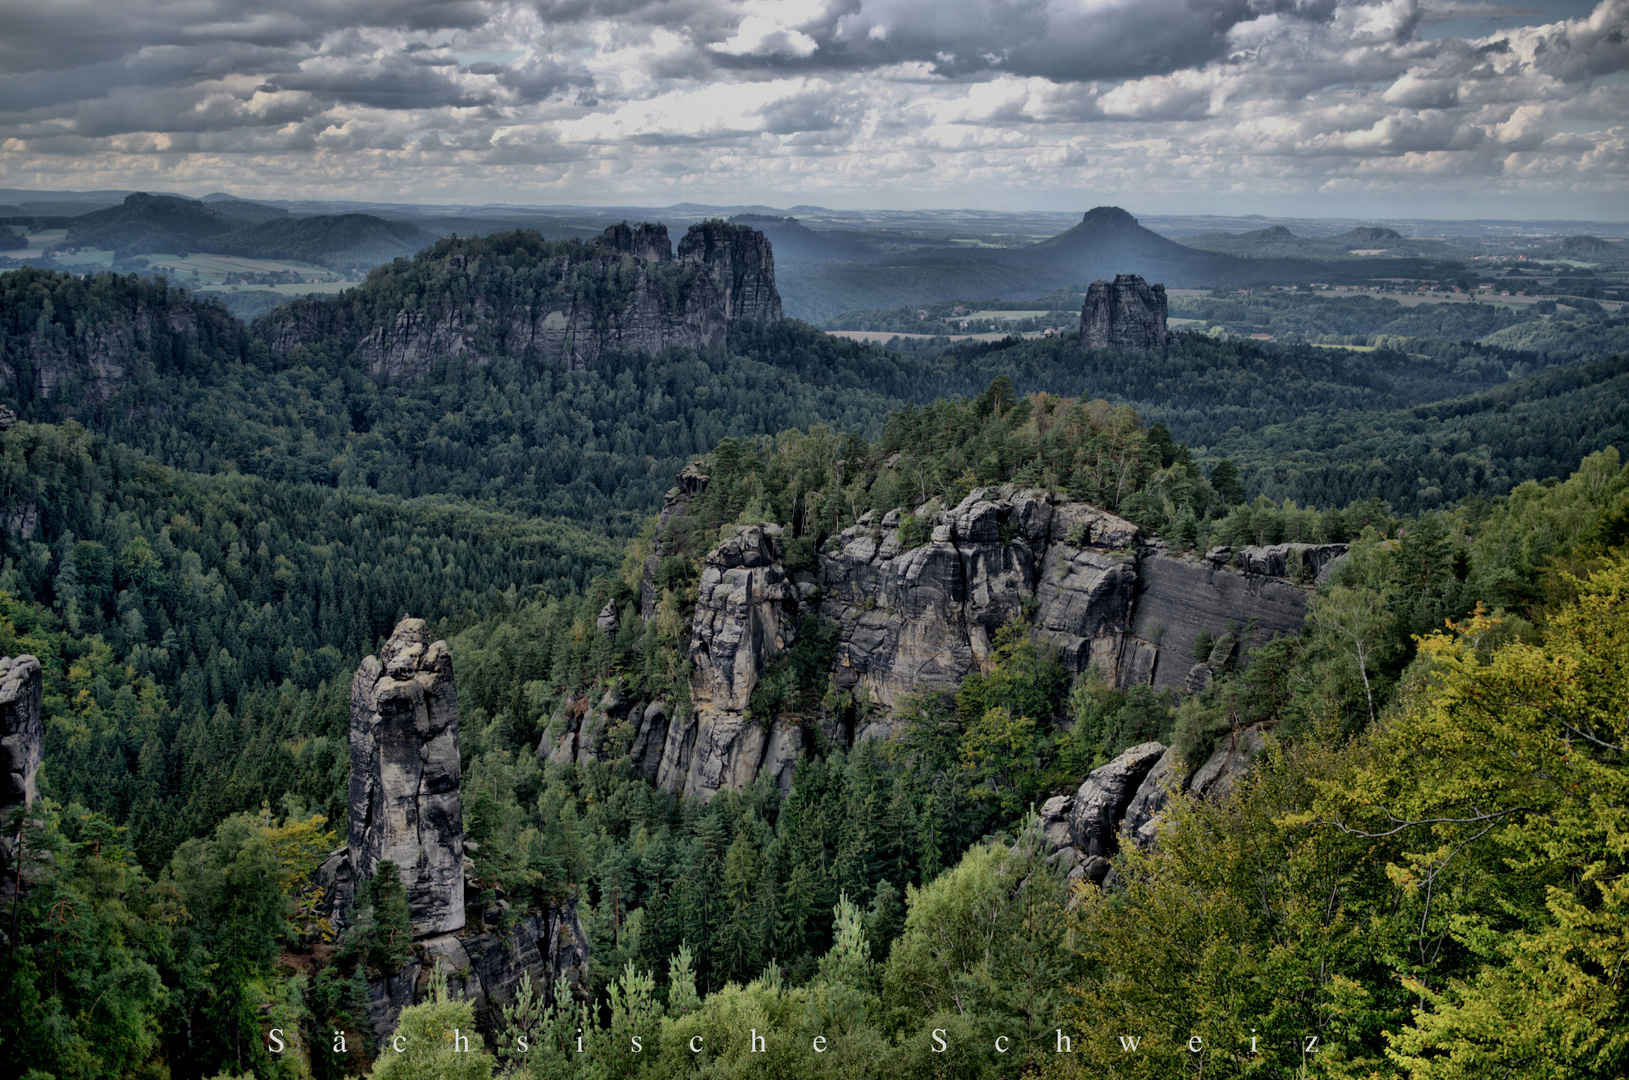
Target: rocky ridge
[(97, 356), (916, 615), (1127, 313), (574, 302)]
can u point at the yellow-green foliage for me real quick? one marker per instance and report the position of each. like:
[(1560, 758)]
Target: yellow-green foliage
[(1442, 897), (429, 1035)]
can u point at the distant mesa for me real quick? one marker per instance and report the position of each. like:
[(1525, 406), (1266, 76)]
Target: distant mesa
[(1126, 313)]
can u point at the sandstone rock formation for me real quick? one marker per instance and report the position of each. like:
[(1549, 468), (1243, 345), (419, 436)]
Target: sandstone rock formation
[(405, 806), (925, 616), (1124, 801), (404, 802), (22, 736), (486, 968), (92, 359), (623, 292), (675, 508), (740, 260), (1127, 313)]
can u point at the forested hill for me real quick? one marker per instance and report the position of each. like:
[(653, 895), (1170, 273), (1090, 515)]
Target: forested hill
[(203, 530)]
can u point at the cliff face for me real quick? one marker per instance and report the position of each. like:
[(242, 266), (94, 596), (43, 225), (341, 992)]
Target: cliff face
[(924, 616), (740, 260), (563, 303), (1127, 313), (86, 360)]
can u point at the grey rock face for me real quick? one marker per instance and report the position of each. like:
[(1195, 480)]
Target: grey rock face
[(643, 241), (1179, 597), (486, 968), (1103, 797), (746, 613), (22, 736), (404, 799), (1127, 313), (1147, 806), (92, 359), (923, 618), (742, 262), (1219, 776)]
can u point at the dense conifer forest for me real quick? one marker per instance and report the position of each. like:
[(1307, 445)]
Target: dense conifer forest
[(1424, 871)]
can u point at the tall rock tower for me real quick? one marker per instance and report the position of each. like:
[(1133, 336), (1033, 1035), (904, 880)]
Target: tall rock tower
[(404, 803), (1127, 313), (742, 262), (22, 739)]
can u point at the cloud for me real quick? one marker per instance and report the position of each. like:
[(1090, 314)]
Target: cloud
[(860, 99)]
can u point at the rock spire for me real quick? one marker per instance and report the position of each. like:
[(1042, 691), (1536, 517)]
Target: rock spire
[(404, 801), (1127, 313), (22, 735)]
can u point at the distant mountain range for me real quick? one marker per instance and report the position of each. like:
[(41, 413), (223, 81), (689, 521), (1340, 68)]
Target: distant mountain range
[(1278, 241), (172, 225), (1108, 241)]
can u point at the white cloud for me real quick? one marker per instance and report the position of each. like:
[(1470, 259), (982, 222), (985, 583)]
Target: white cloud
[(851, 101)]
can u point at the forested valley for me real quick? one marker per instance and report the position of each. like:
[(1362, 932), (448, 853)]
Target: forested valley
[(1423, 870)]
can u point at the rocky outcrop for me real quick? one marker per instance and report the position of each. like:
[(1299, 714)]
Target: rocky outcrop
[(1124, 802), (1181, 598), (917, 604), (1102, 799), (486, 968), (1140, 824), (1219, 776), (746, 614), (644, 241), (924, 616), (564, 303), (405, 805), (89, 358), (22, 737), (675, 509), (1127, 313)]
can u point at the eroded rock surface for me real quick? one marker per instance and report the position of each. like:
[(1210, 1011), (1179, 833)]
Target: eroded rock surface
[(917, 605), (404, 800), (1126, 313), (22, 738), (746, 614), (486, 968)]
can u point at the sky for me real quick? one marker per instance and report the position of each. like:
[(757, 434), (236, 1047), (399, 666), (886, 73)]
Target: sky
[(1405, 108)]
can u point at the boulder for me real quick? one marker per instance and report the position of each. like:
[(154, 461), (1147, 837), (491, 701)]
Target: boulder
[(1219, 776), (404, 799), (1101, 802), (1147, 805)]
